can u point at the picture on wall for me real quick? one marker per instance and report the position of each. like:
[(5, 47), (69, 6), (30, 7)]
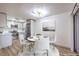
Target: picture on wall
[(48, 29), (46, 26)]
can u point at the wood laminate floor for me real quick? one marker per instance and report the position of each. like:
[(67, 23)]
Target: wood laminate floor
[(66, 51), (16, 48), (12, 50)]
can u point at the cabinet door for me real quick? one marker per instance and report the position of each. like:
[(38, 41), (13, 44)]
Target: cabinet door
[(3, 20)]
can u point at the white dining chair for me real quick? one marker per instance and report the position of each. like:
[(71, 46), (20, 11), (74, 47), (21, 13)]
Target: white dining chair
[(23, 42), (41, 47), (5, 39), (53, 41)]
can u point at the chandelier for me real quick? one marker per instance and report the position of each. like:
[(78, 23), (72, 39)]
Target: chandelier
[(39, 13)]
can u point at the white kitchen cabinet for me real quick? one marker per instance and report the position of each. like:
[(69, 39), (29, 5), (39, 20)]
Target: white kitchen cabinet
[(3, 19)]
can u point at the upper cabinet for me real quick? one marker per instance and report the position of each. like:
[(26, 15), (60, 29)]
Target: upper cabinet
[(3, 20)]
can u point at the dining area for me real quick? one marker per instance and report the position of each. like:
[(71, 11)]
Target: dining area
[(38, 45)]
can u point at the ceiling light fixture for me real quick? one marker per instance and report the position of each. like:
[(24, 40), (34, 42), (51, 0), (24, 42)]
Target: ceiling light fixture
[(39, 12)]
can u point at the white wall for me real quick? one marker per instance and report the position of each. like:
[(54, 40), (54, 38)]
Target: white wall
[(46, 22), (64, 28)]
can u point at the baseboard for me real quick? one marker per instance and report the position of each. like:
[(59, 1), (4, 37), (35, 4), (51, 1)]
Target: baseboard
[(62, 46)]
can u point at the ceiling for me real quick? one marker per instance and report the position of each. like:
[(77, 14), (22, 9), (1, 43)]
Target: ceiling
[(23, 10)]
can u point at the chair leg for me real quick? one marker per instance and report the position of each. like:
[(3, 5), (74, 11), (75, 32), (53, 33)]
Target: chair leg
[(34, 54), (47, 53), (22, 48)]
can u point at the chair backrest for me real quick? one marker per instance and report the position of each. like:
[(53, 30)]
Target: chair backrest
[(5, 39), (42, 44), (21, 38)]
